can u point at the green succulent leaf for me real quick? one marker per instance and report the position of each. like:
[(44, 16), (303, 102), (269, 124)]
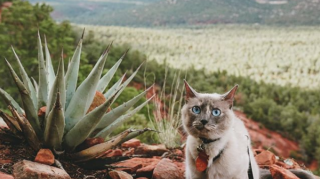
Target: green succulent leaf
[(30, 110), (10, 101), (105, 80), (99, 149), (54, 127), (58, 86), (71, 77), (26, 80), (85, 126), (35, 84), (114, 87), (27, 129), (136, 133), (115, 113), (50, 72), (84, 95), (110, 128), (125, 84), (11, 122), (43, 83)]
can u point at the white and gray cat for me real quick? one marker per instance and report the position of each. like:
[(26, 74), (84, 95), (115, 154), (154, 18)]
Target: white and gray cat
[(215, 131)]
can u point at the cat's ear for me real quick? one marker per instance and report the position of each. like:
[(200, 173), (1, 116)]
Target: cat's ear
[(190, 92), (229, 96)]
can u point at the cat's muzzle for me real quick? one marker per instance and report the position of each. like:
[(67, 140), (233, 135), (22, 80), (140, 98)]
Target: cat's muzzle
[(198, 126)]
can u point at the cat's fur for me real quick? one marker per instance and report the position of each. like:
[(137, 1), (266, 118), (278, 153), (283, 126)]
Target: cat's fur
[(233, 137)]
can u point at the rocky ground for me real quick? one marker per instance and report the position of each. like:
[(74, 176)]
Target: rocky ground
[(134, 159)]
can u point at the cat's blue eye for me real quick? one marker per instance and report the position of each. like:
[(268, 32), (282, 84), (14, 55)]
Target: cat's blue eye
[(216, 112), (196, 109)]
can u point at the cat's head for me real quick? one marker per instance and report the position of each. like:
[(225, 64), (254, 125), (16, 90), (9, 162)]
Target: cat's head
[(207, 115)]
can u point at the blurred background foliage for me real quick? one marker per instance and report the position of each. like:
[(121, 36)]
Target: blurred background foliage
[(292, 111)]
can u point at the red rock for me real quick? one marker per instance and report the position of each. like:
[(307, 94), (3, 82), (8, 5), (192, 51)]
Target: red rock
[(133, 164), (153, 150), (147, 170), (45, 156), (42, 111), (5, 176), (181, 166), (26, 170), (257, 151), (265, 158), (129, 152), (131, 143), (114, 153), (178, 152), (2, 161), (97, 101), (167, 169), (281, 173), (119, 175)]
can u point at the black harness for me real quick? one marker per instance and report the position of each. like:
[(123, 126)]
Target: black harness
[(207, 141)]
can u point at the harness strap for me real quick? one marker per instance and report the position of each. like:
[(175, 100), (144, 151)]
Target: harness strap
[(218, 156), (250, 173)]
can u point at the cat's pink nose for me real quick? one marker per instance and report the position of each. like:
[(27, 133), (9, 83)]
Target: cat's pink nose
[(204, 121)]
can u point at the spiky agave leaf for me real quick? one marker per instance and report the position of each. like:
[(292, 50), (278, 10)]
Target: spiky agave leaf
[(35, 84), (26, 80), (50, 72), (54, 127), (85, 126), (114, 87), (10, 101), (27, 130), (84, 95), (11, 122), (108, 130), (30, 110), (135, 133), (43, 83), (99, 149), (105, 80), (115, 113), (71, 77), (58, 86), (125, 84)]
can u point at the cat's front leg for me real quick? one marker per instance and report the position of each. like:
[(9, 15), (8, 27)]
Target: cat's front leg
[(191, 171)]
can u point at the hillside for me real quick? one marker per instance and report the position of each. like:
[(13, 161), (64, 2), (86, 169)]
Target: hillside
[(282, 56), (187, 12), (88, 11)]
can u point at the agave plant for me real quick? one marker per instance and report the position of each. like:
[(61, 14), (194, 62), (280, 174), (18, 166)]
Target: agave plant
[(67, 122)]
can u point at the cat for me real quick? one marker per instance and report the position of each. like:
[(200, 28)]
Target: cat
[(218, 144)]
